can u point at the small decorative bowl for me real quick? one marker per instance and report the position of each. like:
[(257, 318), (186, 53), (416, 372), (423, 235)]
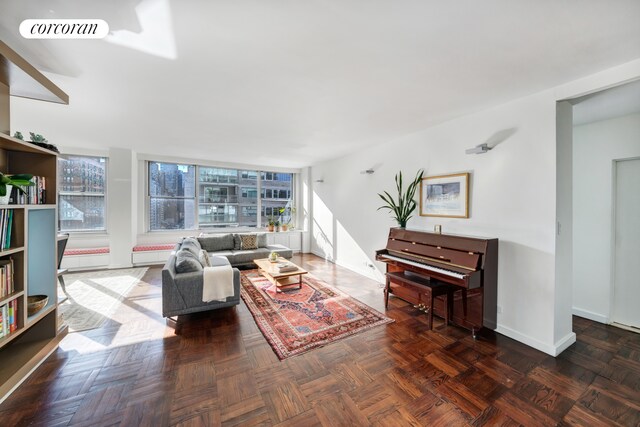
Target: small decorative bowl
[(35, 303)]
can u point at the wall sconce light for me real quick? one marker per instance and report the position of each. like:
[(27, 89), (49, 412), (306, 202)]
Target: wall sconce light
[(371, 170), (479, 149)]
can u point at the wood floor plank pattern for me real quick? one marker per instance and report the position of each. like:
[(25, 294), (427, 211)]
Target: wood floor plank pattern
[(216, 368)]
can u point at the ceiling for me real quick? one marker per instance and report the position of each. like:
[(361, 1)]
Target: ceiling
[(607, 104), (292, 83)]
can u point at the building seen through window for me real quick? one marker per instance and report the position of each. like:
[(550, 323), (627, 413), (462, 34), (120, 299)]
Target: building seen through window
[(276, 194), (224, 197), (172, 201), (82, 184)]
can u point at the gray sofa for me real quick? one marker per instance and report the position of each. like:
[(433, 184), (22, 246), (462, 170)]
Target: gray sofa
[(182, 275), (229, 245)]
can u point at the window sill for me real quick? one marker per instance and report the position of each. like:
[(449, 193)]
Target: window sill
[(220, 231), (87, 234)]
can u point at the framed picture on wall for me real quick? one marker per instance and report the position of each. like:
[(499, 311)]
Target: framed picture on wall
[(445, 196)]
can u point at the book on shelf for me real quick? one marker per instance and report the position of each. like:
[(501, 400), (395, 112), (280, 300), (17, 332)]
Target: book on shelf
[(33, 195), (6, 221), (9, 318), (6, 277)]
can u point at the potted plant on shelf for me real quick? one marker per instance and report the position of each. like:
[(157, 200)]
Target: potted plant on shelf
[(287, 212), (292, 213), (277, 225), (402, 208), (271, 224), (7, 182), (37, 139)]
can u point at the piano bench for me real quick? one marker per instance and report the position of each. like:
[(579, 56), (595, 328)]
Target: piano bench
[(426, 288)]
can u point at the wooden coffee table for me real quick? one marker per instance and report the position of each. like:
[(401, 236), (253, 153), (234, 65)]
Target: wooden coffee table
[(282, 280)]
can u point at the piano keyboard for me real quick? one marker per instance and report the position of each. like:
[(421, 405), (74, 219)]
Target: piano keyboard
[(426, 266)]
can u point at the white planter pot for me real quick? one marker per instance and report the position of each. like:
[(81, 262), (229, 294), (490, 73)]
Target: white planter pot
[(4, 200)]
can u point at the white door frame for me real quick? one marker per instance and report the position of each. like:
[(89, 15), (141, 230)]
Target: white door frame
[(614, 201)]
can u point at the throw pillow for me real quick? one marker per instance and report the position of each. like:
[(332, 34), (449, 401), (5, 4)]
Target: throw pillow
[(192, 240), (216, 242), (187, 262), (248, 241), (236, 242), (204, 258), (189, 245), (262, 240)]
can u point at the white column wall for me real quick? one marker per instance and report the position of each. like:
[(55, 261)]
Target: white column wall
[(121, 207), (563, 335)]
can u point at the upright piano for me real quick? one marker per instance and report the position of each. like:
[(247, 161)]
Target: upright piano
[(468, 264)]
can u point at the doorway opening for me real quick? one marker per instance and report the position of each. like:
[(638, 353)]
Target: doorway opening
[(605, 221)]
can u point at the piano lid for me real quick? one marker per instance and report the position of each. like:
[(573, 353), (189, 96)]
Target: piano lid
[(466, 236), (450, 241)]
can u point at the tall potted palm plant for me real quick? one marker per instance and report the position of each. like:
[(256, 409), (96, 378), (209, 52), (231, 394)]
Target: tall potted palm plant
[(402, 207)]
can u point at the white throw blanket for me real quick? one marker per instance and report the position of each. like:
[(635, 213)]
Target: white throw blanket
[(217, 283)]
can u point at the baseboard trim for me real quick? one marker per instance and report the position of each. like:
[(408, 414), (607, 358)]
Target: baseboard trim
[(552, 350), (590, 315), (369, 274), (323, 256), (118, 266), (564, 343)]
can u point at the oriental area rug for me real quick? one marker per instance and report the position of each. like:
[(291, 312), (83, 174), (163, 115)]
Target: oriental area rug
[(298, 320)]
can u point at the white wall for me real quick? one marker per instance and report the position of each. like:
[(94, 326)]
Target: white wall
[(564, 225), (513, 198), (596, 145), (121, 205)]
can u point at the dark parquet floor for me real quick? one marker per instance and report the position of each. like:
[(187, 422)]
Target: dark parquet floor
[(216, 368)]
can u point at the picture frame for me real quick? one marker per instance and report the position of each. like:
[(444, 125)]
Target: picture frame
[(445, 196)]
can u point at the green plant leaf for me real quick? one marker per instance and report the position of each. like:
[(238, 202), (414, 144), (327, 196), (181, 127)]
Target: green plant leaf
[(23, 176), (405, 205), (21, 182)]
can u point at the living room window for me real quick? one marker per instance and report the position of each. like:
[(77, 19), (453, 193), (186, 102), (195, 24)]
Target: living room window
[(82, 197), (248, 201), (226, 196), (276, 196), (189, 197), (172, 196)]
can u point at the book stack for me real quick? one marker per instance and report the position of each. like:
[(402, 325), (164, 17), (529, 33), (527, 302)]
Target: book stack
[(286, 267), (33, 194), (8, 318), (6, 220), (6, 277)]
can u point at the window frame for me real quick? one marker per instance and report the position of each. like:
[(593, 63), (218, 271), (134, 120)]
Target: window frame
[(150, 197), (197, 228), (105, 228)]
